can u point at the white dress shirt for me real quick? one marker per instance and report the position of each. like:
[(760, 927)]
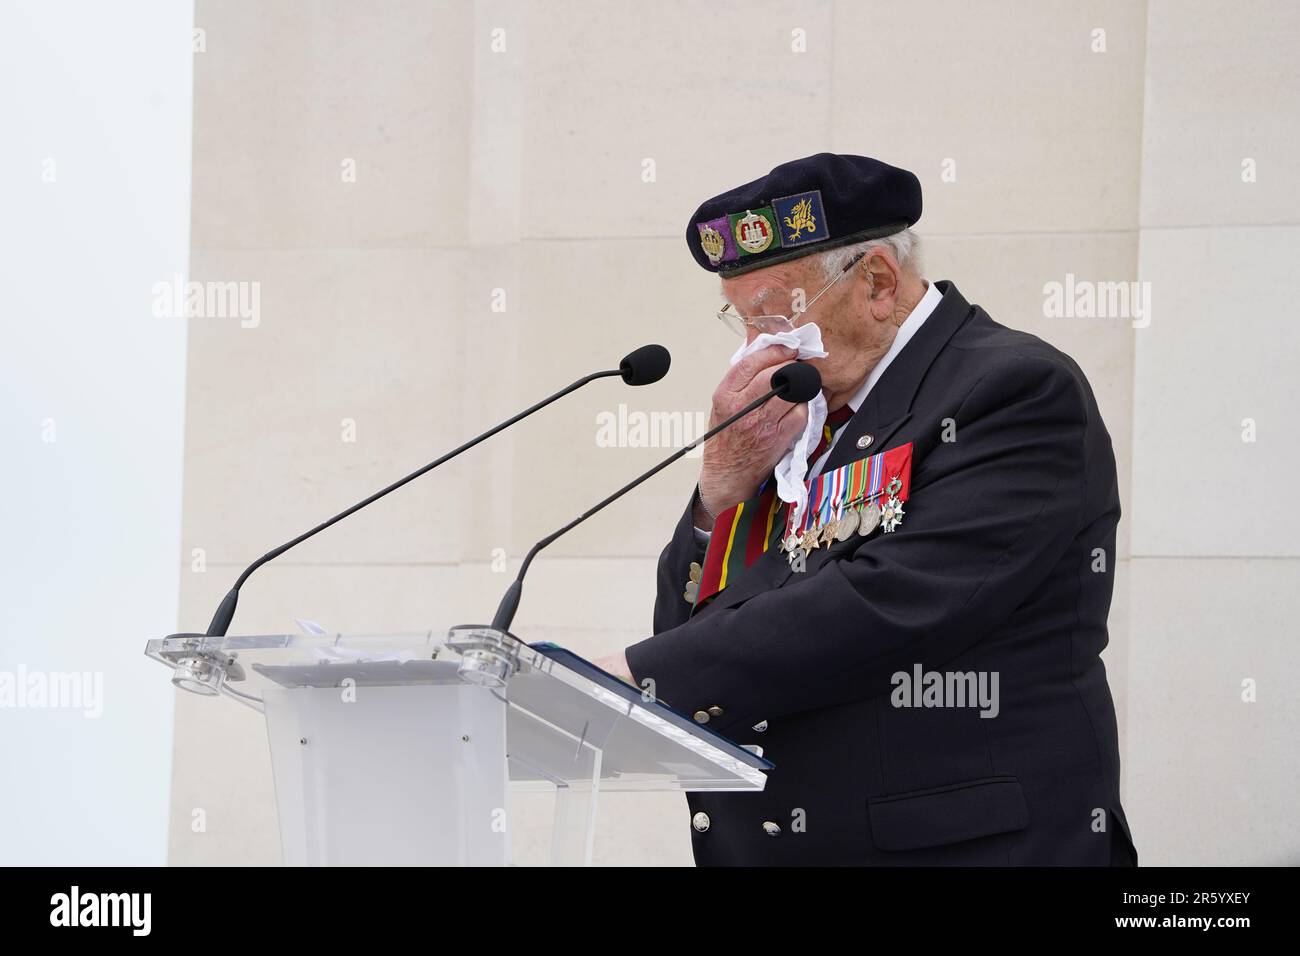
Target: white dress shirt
[(929, 302)]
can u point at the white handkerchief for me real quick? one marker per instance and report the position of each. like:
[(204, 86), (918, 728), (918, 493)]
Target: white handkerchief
[(793, 467)]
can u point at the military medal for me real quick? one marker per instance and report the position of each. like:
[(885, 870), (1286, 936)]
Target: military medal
[(892, 514), (693, 583), (835, 518), (855, 495), (816, 503), (847, 524), (825, 528), (869, 519)]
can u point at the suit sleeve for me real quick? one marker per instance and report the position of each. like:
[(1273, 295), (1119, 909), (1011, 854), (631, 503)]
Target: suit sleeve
[(671, 608), (990, 514)]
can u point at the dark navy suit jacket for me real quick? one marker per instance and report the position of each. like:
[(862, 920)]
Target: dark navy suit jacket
[(1004, 563)]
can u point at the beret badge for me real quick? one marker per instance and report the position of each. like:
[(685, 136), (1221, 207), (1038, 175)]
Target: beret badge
[(712, 243), (755, 231), (802, 219)]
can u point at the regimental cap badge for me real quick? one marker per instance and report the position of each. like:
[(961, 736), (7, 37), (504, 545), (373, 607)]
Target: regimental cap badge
[(755, 231), (712, 243), (715, 240)]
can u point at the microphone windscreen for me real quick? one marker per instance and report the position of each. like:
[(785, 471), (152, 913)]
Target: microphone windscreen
[(797, 382), (646, 365)]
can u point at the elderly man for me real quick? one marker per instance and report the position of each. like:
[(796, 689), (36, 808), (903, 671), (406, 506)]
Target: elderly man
[(904, 608)]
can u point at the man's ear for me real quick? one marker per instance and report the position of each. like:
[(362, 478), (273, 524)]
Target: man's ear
[(883, 274)]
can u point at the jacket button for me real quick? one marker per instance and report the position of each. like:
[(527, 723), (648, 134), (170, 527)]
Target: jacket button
[(701, 716), (700, 821), (715, 711), (771, 829), (761, 726)]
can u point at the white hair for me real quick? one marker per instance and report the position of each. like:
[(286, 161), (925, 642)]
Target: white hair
[(904, 246)]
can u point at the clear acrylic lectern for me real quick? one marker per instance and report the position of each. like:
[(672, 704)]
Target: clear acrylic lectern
[(400, 749)]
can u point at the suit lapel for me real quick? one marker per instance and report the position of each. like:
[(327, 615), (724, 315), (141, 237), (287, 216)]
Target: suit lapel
[(848, 448), (886, 409)]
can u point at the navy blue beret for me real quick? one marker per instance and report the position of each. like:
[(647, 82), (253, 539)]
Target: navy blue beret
[(803, 206)]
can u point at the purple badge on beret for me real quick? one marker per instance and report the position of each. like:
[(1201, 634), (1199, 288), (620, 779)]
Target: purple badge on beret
[(716, 240)]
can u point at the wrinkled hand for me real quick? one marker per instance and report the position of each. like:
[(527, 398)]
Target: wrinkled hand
[(738, 459)]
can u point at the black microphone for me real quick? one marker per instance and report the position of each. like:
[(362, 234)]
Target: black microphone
[(644, 366), (794, 383)]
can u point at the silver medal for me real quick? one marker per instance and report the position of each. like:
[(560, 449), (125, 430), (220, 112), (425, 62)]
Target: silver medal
[(869, 519)]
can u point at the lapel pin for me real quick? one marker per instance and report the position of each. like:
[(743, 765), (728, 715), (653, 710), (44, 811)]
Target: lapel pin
[(865, 441)]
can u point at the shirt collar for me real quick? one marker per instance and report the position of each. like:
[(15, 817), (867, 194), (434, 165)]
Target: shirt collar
[(929, 302)]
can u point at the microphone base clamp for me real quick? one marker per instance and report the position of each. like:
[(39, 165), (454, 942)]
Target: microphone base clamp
[(202, 671), (488, 657)]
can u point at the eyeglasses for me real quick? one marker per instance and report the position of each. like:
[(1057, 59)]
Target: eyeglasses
[(737, 323)]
